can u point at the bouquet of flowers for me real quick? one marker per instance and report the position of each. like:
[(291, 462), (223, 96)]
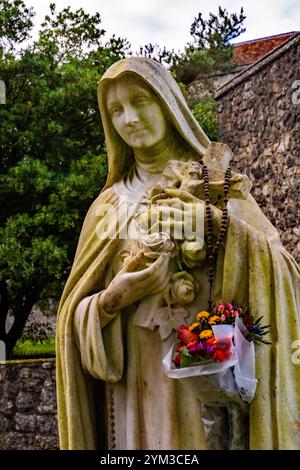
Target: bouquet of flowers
[(215, 357), (201, 340)]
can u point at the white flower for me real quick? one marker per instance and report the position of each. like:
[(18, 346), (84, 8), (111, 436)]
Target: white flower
[(193, 253), (158, 242), (183, 288)]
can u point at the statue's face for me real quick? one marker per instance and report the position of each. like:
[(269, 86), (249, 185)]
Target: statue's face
[(136, 113)]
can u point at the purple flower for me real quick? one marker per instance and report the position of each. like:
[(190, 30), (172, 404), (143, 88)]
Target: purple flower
[(202, 349)]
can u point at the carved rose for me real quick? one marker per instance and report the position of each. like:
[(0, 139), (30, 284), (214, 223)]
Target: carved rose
[(183, 288), (193, 253), (157, 242), (146, 219)]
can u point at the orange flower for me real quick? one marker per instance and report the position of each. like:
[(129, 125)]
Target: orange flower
[(186, 336), (206, 334), (214, 319), (193, 326), (212, 341), (202, 314)]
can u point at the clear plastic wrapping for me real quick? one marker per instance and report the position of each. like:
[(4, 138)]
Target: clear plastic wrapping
[(223, 389)]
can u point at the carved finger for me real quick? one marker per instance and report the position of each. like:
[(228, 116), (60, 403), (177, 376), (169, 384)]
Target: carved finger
[(133, 263), (181, 194), (151, 271), (156, 197), (177, 203)]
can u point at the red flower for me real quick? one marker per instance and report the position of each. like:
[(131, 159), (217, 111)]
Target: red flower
[(223, 350), (177, 360), (188, 338), (211, 341), (248, 321), (224, 344), (221, 356)]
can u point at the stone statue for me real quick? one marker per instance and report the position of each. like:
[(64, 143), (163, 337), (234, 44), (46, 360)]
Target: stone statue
[(131, 287)]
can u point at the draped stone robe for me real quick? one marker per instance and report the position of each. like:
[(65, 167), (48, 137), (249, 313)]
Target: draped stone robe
[(147, 410)]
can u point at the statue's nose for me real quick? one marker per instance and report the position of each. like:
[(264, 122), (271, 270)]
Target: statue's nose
[(131, 115)]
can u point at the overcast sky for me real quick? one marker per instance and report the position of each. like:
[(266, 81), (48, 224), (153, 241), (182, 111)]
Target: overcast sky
[(167, 22)]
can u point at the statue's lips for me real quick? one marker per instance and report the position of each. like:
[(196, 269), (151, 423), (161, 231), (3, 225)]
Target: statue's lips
[(136, 131)]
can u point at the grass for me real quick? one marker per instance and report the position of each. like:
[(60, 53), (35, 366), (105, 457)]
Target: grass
[(25, 349)]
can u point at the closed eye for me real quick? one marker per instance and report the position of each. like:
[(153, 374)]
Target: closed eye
[(140, 100)]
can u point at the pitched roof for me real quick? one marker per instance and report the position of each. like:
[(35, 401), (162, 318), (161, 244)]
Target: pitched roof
[(257, 66), (245, 53)]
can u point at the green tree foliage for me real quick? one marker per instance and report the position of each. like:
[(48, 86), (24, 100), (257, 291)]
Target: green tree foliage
[(52, 155), (205, 113), (210, 49), (161, 55), (15, 23), (218, 30)]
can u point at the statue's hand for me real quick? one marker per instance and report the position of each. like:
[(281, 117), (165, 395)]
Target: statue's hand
[(173, 197), (140, 277)]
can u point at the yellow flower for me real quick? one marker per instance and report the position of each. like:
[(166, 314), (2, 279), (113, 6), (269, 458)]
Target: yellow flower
[(206, 334), (193, 326), (214, 319), (202, 314)]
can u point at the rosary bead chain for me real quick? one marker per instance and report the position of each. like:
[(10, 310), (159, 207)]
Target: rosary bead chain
[(212, 252)]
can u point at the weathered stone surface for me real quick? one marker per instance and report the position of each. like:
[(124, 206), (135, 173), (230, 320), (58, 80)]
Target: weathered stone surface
[(25, 422), (43, 442), (24, 401), (261, 123), (47, 365), (28, 405), (44, 424), (6, 407), (8, 390), (19, 441), (37, 378), (48, 401), (6, 424)]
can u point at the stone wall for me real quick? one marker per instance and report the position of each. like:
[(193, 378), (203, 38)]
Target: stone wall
[(28, 405), (259, 116), (204, 88)]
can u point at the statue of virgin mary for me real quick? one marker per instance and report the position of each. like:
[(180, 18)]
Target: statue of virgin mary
[(115, 320)]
